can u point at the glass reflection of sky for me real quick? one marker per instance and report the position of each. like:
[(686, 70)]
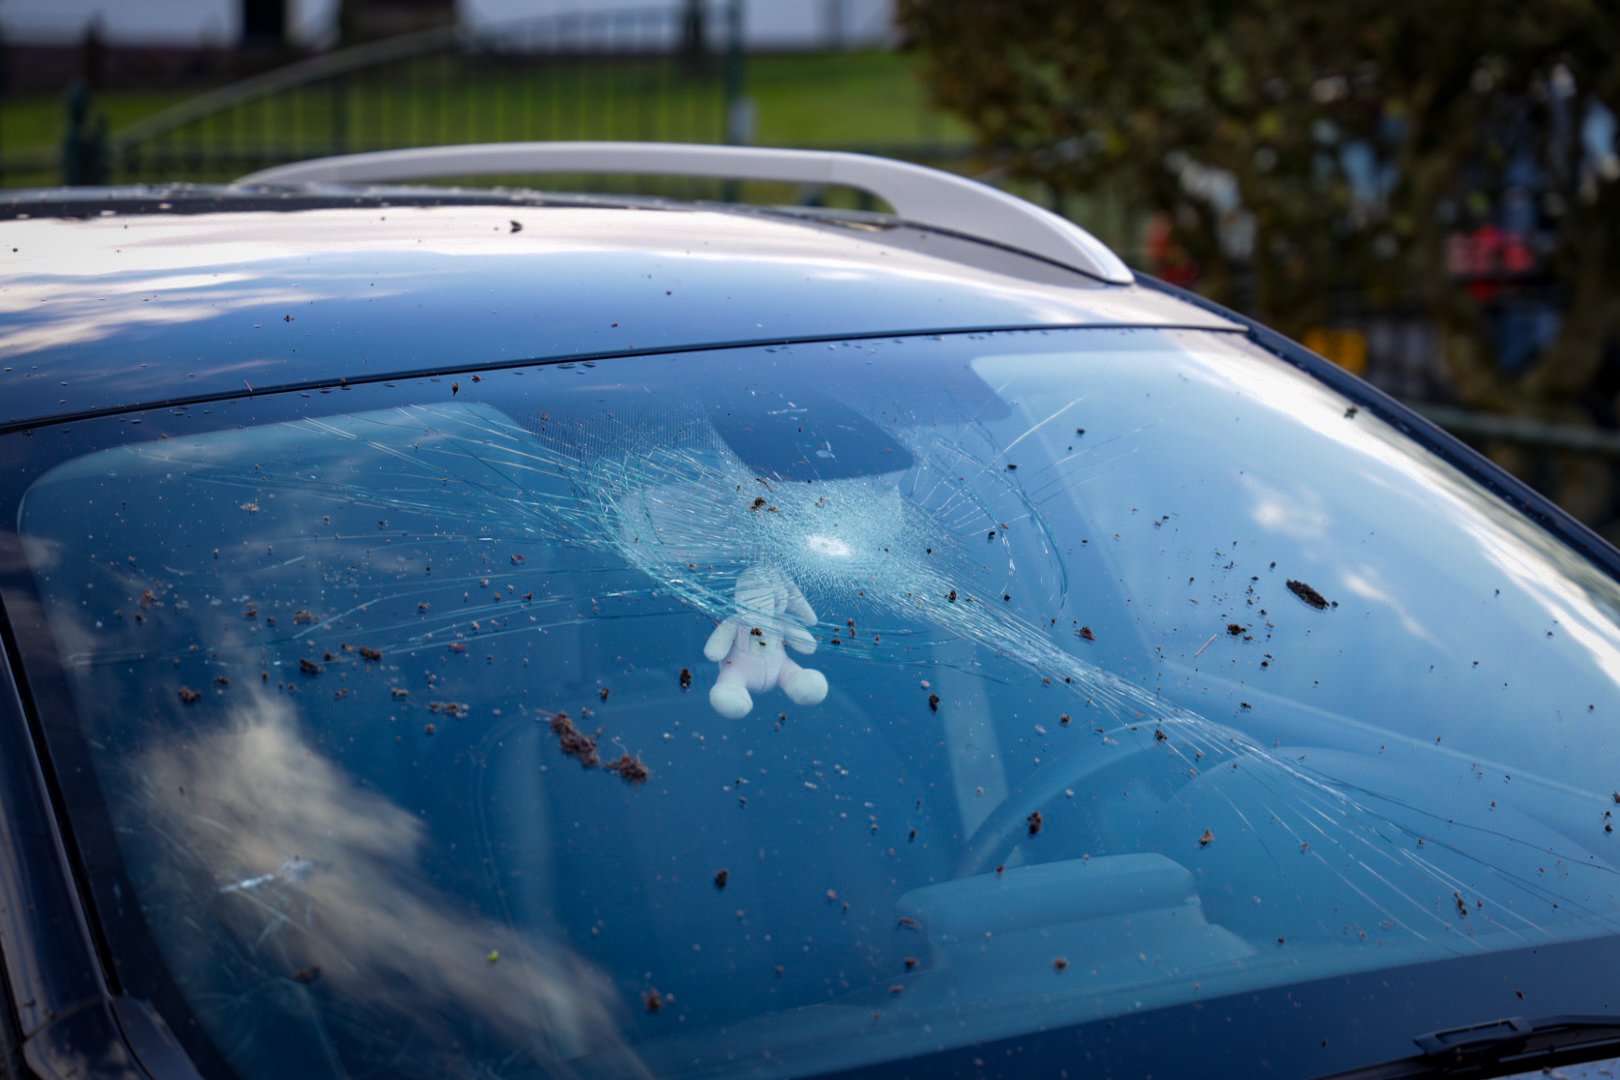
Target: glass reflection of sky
[(1457, 597), (384, 289), (1057, 585)]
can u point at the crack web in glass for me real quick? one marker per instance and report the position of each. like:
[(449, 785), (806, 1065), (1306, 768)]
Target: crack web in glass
[(891, 555)]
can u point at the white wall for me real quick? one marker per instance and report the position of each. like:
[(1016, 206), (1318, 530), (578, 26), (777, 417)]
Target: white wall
[(152, 22), (767, 23), (123, 21)]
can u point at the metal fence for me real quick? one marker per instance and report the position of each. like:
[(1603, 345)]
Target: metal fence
[(670, 73)]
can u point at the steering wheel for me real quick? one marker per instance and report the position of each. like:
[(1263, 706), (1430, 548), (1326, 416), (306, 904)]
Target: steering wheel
[(1008, 824)]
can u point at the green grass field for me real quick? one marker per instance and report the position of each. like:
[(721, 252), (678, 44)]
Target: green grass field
[(850, 99), (865, 100)]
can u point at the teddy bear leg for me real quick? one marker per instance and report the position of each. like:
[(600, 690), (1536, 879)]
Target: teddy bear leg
[(729, 695), (803, 686)]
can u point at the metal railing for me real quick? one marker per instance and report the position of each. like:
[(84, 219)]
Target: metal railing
[(650, 75)]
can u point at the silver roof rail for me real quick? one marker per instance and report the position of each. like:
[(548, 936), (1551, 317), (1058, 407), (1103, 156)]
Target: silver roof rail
[(921, 195)]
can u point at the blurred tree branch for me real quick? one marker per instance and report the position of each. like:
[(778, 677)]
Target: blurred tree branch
[(1271, 99)]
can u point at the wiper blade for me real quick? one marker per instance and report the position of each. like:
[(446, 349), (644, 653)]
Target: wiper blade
[(1497, 1047)]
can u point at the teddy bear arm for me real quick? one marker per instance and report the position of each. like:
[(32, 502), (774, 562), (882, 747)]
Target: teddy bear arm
[(719, 643), (799, 639)]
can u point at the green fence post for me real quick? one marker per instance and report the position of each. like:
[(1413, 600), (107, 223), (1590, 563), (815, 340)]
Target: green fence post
[(1058, 198), (340, 114), (5, 78), (84, 147), (694, 44), (77, 103), (96, 150), (739, 116)]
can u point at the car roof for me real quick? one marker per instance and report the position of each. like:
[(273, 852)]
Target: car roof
[(118, 298)]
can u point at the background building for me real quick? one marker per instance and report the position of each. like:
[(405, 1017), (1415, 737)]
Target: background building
[(312, 24)]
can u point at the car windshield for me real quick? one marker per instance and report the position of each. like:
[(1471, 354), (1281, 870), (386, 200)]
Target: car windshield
[(781, 709)]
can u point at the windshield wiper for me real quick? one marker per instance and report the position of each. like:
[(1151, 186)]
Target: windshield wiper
[(1496, 1047)]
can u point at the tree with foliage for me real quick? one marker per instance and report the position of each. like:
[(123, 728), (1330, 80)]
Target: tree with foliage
[(1281, 103)]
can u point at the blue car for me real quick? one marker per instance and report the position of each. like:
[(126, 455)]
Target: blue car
[(469, 632)]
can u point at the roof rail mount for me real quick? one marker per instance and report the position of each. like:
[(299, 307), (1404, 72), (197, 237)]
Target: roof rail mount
[(920, 195)]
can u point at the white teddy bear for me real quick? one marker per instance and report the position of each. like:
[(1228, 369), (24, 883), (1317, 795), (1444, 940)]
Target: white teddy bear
[(749, 648)]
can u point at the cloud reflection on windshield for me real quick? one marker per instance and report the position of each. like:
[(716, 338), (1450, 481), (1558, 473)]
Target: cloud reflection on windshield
[(314, 881)]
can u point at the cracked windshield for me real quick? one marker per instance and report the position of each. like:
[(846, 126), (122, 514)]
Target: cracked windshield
[(776, 709)]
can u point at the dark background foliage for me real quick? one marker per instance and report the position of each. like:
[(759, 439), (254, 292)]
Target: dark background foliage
[(1184, 106)]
